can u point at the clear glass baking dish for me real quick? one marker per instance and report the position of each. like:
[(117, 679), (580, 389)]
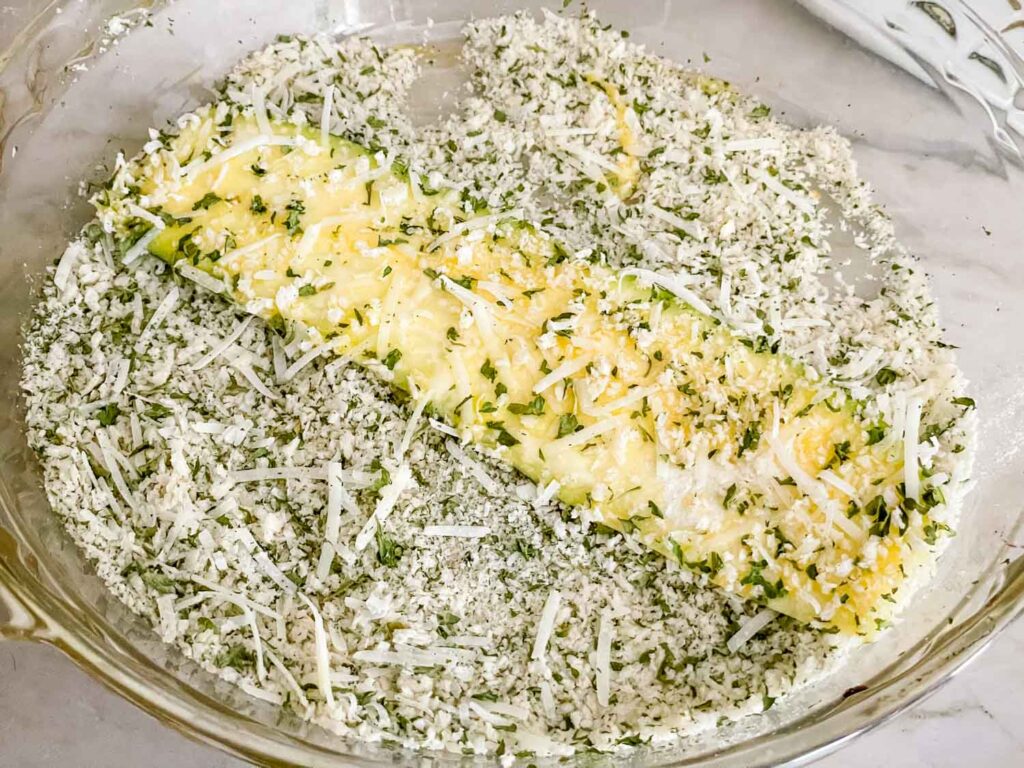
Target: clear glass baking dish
[(932, 131)]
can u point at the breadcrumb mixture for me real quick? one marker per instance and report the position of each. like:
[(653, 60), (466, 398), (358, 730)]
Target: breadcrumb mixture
[(190, 450)]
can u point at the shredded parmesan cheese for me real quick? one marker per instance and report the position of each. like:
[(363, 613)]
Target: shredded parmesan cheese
[(546, 625), (603, 659), (323, 660), (223, 346), (671, 283), (911, 432), (388, 498), (563, 371), (749, 628)]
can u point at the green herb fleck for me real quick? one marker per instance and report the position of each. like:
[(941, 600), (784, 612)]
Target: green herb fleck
[(488, 370), (840, 453), (108, 414), (876, 433), (203, 203), (389, 552), (533, 408), (730, 494), (237, 657), (567, 424), (886, 376), (157, 582), (750, 440), (756, 578), (294, 221)]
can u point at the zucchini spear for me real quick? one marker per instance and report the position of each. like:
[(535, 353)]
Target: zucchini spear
[(619, 386)]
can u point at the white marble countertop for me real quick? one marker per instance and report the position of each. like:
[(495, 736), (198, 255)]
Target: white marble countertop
[(53, 715)]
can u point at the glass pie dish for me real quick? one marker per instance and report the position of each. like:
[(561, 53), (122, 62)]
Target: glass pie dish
[(931, 96)]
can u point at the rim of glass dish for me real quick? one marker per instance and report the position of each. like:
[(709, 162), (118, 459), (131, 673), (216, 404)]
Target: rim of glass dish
[(39, 609)]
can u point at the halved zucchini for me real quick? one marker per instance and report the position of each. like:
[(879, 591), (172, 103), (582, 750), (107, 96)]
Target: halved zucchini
[(652, 415)]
